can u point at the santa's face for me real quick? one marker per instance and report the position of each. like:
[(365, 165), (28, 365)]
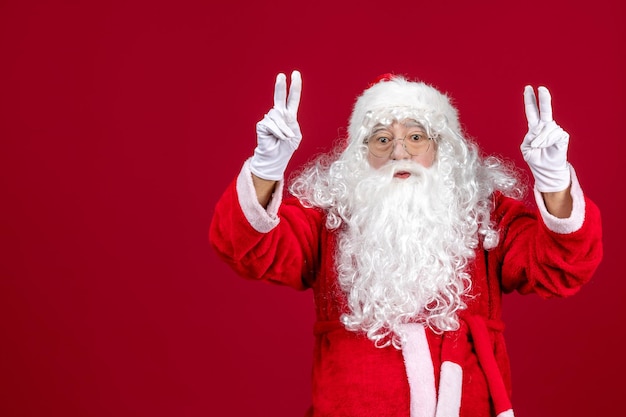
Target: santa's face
[(401, 139)]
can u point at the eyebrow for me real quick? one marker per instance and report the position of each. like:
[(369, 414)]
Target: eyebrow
[(379, 127), (413, 123), (409, 123)]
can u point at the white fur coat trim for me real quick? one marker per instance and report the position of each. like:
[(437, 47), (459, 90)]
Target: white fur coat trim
[(420, 371)]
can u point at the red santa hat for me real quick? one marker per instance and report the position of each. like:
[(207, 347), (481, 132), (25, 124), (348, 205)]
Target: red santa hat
[(392, 97)]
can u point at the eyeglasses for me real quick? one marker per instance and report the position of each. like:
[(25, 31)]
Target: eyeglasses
[(415, 143)]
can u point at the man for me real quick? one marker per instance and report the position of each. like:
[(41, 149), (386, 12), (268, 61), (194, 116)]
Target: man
[(408, 237)]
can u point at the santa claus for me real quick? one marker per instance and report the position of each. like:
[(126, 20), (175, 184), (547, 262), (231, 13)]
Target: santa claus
[(408, 237)]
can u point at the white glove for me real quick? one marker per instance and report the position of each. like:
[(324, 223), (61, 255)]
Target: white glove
[(545, 145), (278, 134)]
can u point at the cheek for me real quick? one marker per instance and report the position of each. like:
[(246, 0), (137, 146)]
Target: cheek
[(376, 162), (425, 160)]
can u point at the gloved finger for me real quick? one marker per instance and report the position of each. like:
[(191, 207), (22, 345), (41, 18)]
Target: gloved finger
[(280, 92), (551, 135), (268, 126), (545, 104), (557, 138), (530, 105), (279, 121), (555, 154), (295, 90)]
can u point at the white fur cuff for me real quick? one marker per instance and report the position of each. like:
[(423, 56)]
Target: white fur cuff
[(575, 220), (261, 219)]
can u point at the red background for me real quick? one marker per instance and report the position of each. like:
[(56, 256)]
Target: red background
[(122, 122)]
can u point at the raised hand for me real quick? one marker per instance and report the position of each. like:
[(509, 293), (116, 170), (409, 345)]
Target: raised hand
[(278, 134), (545, 145)]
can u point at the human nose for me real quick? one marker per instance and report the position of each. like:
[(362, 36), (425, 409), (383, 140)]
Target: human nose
[(398, 151)]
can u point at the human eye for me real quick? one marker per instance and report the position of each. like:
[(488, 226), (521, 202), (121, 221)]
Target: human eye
[(416, 136), (380, 138)]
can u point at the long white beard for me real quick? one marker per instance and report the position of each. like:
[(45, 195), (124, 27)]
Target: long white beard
[(403, 253)]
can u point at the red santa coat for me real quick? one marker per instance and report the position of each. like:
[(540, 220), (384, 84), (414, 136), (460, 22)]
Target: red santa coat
[(465, 372)]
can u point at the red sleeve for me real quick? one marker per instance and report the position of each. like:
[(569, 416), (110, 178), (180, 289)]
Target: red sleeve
[(536, 259), (287, 254)]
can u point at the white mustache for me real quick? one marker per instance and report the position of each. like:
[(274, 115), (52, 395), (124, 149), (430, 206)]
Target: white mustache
[(393, 167)]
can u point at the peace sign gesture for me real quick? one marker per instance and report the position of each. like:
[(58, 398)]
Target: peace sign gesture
[(278, 134), (545, 145)]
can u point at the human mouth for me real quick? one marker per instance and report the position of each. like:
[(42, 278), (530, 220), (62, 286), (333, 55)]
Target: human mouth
[(402, 174)]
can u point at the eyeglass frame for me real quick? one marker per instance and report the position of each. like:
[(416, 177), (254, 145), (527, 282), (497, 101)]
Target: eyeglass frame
[(392, 147)]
